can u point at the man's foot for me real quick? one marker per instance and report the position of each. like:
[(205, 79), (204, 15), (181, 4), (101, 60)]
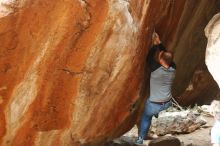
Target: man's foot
[(139, 141)]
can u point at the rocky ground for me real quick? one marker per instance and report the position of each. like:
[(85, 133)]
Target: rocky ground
[(199, 137)]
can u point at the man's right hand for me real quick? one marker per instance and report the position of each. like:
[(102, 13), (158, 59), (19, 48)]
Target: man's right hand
[(155, 39)]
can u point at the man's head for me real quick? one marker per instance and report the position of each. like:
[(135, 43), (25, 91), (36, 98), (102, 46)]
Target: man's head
[(165, 58)]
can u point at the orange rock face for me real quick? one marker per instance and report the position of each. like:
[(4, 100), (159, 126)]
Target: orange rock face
[(71, 70)]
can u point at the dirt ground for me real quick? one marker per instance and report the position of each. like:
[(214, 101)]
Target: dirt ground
[(200, 137)]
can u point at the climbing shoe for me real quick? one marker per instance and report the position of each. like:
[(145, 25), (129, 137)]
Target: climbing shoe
[(139, 141)]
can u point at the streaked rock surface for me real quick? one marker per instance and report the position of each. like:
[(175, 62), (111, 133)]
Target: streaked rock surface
[(71, 71)]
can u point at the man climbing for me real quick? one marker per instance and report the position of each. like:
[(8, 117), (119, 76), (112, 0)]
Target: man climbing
[(162, 75)]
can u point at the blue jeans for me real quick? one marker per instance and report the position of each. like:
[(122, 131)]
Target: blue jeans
[(151, 109)]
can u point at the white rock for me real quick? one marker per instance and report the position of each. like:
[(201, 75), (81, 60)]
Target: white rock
[(212, 58)]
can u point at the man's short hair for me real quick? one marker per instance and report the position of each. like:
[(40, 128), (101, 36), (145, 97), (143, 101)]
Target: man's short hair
[(167, 57)]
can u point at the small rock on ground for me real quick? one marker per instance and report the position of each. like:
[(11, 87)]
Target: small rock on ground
[(165, 141)]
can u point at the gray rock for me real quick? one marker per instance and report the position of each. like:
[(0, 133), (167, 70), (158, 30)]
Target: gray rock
[(176, 122), (165, 141)]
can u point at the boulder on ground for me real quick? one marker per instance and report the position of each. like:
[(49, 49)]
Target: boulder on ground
[(177, 122)]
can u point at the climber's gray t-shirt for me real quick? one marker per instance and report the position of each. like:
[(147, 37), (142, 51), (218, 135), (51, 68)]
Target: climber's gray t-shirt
[(161, 81)]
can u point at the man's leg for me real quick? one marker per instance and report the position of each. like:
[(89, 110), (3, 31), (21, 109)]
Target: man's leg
[(145, 124), (150, 109)]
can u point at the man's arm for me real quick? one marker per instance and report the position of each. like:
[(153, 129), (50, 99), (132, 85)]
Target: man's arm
[(157, 42), (150, 56), (152, 63), (161, 47), (157, 46), (152, 52)]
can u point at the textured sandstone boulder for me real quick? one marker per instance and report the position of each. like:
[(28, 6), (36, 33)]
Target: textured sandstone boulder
[(212, 32), (71, 71)]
